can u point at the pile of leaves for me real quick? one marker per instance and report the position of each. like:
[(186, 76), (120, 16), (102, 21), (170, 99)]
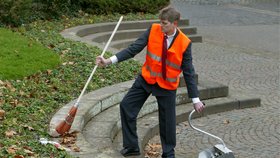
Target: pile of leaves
[(27, 105), (153, 150)]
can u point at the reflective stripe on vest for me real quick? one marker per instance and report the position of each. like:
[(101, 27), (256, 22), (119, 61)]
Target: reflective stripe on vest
[(159, 74), (169, 63)]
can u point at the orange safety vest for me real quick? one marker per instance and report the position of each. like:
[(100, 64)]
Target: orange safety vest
[(151, 70)]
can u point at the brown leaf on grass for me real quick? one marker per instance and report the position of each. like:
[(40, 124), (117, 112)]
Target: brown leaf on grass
[(28, 152), (14, 102), (10, 133), (49, 72), (12, 149), (2, 114), (18, 156), (21, 93), (68, 63), (9, 86), (51, 46), (28, 127)]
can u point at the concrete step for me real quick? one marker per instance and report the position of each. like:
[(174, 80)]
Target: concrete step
[(128, 34), (125, 25), (120, 44), (128, 31)]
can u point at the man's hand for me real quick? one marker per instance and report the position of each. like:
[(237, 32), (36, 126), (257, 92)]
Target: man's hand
[(101, 61), (199, 107)]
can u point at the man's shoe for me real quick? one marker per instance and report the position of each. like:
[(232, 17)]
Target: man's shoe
[(130, 152)]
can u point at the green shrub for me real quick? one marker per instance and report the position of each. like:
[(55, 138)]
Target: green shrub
[(15, 12), (122, 6), (18, 12)]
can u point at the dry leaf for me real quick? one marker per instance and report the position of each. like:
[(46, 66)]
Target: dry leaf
[(21, 92), (68, 63), (18, 156), (49, 72), (226, 121), (10, 133), (28, 127), (2, 114), (75, 148), (14, 102), (69, 140), (12, 149), (28, 152), (155, 146)]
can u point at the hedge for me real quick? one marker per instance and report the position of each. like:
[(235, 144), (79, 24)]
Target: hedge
[(18, 12)]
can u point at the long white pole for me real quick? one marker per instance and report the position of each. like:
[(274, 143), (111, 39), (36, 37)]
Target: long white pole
[(95, 67)]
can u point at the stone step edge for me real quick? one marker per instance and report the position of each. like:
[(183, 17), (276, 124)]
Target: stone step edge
[(86, 29), (99, 100), (104, 36), (121, 44)]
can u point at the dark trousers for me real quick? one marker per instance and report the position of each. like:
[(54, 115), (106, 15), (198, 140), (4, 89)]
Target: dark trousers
[(129, 109)]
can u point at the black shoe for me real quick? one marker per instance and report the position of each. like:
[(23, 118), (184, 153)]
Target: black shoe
[(130, 152)]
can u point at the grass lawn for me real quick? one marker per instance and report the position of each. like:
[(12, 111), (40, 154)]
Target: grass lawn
[(27, 104), (21, 56)]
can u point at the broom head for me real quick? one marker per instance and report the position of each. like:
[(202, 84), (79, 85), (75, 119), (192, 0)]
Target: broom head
[(65, 125)]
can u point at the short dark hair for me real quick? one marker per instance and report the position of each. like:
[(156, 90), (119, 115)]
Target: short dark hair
[(169, 13)]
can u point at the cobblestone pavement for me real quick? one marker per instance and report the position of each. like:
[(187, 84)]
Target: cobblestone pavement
[(246, 68)]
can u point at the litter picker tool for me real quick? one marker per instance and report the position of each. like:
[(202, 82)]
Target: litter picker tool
[(218, 151), (65, 125)]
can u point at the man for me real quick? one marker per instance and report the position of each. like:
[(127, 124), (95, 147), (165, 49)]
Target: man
[(168, 54)]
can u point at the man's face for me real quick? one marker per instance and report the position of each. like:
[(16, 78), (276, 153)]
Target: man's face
[(167, 26)]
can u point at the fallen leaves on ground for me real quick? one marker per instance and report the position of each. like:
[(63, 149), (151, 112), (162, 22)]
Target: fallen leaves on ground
[(12, 149), (2, 114), (69, 140), (226, 121), (153, 150), (10, 133)]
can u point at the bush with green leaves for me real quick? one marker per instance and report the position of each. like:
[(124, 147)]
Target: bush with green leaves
[(15, 12), (122, 6), (18, 12)]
